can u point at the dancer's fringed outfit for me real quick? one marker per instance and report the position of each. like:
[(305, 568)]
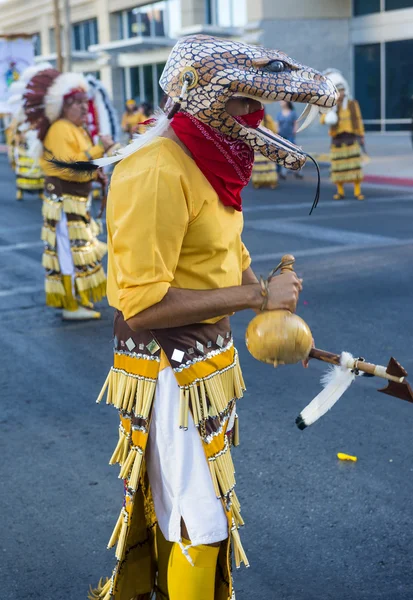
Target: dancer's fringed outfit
[(346, 131), (264, 173), (174, 222), (29, 177), (72, 249), (72, 256)]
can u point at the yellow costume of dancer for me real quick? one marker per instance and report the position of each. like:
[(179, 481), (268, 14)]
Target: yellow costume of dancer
[(174, 219), (346, 132), (56, 106), (29, 176), (264, 172), (68, 193)]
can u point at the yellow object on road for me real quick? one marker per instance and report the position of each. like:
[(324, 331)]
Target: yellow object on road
[(342, 456)]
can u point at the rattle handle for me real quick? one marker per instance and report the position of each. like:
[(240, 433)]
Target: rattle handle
[(287, 263)]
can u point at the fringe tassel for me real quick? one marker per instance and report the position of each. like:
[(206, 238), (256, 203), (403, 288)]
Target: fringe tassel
[(183, 408), (80, 231), (51, 209), (214, 479), (236, 511), (211, 396), (338, 152), (104, 388), (76, 205), (50, 261), (235, 437), (95, 227), (121, 451), (101, 591), (132, 465), (48, 235), (90, 280), (224, 471), (347, 176), (239, 552), (88, 254), (54, 286), (121, 545)]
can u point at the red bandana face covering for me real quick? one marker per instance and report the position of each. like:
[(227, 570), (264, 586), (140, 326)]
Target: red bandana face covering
[(226, 163)]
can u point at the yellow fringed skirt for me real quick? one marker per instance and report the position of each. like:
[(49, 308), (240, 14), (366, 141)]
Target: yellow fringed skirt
[(264, 172), (209, 385), (346, 160)]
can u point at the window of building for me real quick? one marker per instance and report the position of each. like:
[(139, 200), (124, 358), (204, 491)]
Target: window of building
[(367, 83), (149, 20), (399, 81), (85, 34), (226, 13), (366, 7), (396, 4), (142, 83), (37, 44)]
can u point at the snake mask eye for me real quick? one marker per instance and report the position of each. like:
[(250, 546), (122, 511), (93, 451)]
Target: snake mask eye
[(275, 66)]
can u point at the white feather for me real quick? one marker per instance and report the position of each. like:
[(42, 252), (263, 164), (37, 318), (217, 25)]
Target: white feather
[(156, 130), (335, 382), (34, 145)]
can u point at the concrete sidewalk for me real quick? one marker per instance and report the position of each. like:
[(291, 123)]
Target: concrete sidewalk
[(389, 156)]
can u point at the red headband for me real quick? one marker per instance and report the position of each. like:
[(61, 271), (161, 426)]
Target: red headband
[(75, 92)]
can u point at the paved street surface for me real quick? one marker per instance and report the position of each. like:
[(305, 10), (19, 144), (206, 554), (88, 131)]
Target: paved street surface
[(316, 528)]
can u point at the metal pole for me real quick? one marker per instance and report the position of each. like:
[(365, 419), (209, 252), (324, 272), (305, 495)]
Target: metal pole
[(59, 57), (67, 28)]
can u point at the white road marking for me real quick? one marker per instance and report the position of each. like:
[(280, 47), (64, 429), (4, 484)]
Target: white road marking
[(9, 230), (24, 289), (20, 246), (316, 232), (322, 204), (326, 250)]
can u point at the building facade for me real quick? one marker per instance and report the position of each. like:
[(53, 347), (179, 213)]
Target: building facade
[(126, 42)]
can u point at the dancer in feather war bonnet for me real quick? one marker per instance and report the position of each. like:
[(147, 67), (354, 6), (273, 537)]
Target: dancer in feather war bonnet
[(347, 138), (177, 270), (56, 106)]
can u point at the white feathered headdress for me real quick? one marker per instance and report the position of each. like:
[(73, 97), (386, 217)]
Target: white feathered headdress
[(339, 81)]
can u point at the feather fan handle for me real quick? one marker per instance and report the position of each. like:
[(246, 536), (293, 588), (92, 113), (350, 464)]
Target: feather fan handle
[(335, 382)]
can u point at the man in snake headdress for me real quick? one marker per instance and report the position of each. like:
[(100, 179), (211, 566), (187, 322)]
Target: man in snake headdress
[(56, 106), (347, 135), (177, 270)]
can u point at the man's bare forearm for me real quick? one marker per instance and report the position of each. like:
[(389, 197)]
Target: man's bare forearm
[(249, 277), (185, 307)]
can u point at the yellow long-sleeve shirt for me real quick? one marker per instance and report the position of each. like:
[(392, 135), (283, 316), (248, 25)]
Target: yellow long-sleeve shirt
[(167, 228), (65, 141)]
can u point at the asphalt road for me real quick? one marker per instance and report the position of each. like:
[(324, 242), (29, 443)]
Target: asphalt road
[(315, 527)]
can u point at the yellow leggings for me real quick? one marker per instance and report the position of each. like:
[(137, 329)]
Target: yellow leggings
[(178, 579)]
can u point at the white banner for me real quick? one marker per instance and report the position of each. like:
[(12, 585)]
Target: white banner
[(16, 54)]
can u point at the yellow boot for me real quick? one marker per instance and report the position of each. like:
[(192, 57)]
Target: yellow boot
[(19, 195), (194, 581), (340, 191), (357, 191), (72, 311), (164, 549)]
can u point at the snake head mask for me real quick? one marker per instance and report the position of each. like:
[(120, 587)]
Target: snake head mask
[(203, 72)]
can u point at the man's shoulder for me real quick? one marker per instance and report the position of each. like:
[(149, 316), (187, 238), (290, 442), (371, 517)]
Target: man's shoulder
[(161, 154)]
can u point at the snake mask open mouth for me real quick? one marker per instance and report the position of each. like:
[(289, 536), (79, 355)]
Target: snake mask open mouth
[(212, 70)]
